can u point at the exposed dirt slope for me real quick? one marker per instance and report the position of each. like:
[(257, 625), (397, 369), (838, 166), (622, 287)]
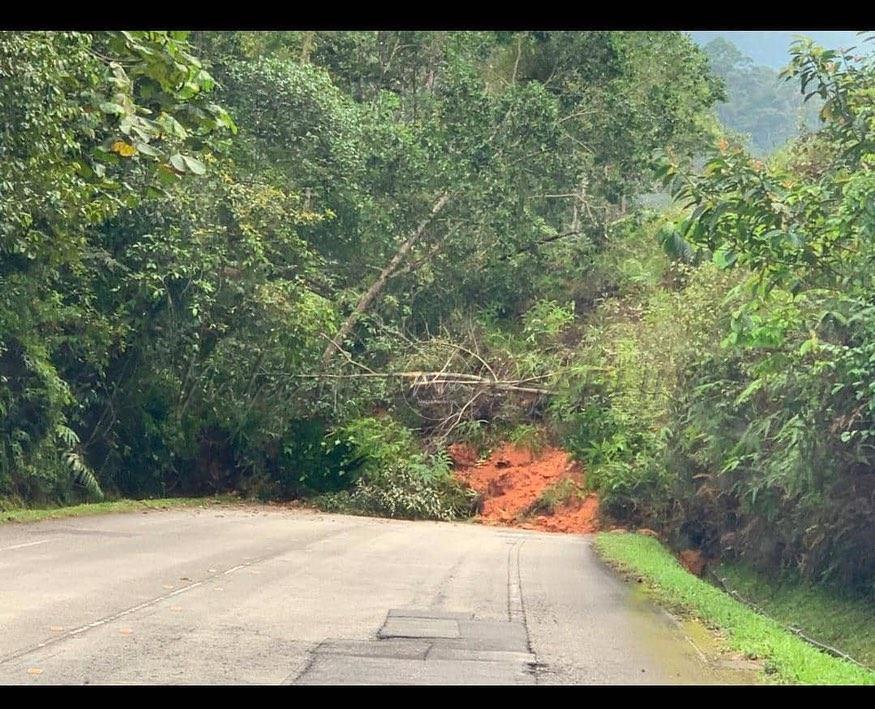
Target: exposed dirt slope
[(512, 479)]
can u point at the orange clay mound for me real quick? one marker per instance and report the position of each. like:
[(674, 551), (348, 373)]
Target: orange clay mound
[(511, 479)]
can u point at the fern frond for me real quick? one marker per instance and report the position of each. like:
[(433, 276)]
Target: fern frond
[(83, 475), (674, 244)]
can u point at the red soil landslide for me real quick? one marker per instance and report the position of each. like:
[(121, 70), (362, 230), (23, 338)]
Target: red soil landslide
[(511, 479)]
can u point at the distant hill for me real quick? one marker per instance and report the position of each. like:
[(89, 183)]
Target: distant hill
[(760, 107), (770, 48)]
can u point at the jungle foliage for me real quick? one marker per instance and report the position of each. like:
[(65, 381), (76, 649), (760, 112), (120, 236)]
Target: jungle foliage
[(751, 434), (197, 227), (297, 264)]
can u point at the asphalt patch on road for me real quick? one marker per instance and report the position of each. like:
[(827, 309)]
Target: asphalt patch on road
[(427, 647)]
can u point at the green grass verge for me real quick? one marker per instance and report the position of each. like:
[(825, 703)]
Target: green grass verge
[(98, 508), (787, 658), (829, 615)]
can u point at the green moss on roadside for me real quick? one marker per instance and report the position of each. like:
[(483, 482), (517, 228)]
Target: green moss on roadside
[(787, 658), (830, 615), (37, 515)]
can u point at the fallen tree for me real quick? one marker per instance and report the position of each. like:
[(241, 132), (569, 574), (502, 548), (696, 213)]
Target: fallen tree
[(421, 379)]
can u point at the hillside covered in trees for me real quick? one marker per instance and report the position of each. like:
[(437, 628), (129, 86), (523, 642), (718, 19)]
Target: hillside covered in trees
[(760, 106), (302, 264)]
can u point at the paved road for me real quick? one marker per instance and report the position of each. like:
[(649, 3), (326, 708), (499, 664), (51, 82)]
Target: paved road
[(255, 595)]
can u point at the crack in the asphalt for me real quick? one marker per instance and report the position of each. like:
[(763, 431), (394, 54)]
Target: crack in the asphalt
[(516, 606), (95, 624), (441, 594), (514, 600), (127, 611), (311, 659)]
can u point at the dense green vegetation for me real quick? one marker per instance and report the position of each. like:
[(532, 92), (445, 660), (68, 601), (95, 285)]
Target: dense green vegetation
[(749, 436), (840, 620), (207, 238), (295, 264)]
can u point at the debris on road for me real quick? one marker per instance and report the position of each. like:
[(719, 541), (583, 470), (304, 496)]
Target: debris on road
[(516, 485)]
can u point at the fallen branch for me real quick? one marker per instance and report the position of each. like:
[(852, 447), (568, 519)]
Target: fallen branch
[(535, 245), (421, 379)]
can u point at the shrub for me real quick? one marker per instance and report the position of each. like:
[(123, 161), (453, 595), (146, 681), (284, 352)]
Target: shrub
[(408, 489), (555, 496), (394, 478)]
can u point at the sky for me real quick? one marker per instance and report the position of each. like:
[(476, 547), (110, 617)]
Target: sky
[(771, 47)]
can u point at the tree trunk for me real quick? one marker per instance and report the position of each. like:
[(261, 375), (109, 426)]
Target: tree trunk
[(308, 41), (372, 293)]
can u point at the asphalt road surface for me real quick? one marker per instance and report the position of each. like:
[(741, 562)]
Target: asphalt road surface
[(262, 596)]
